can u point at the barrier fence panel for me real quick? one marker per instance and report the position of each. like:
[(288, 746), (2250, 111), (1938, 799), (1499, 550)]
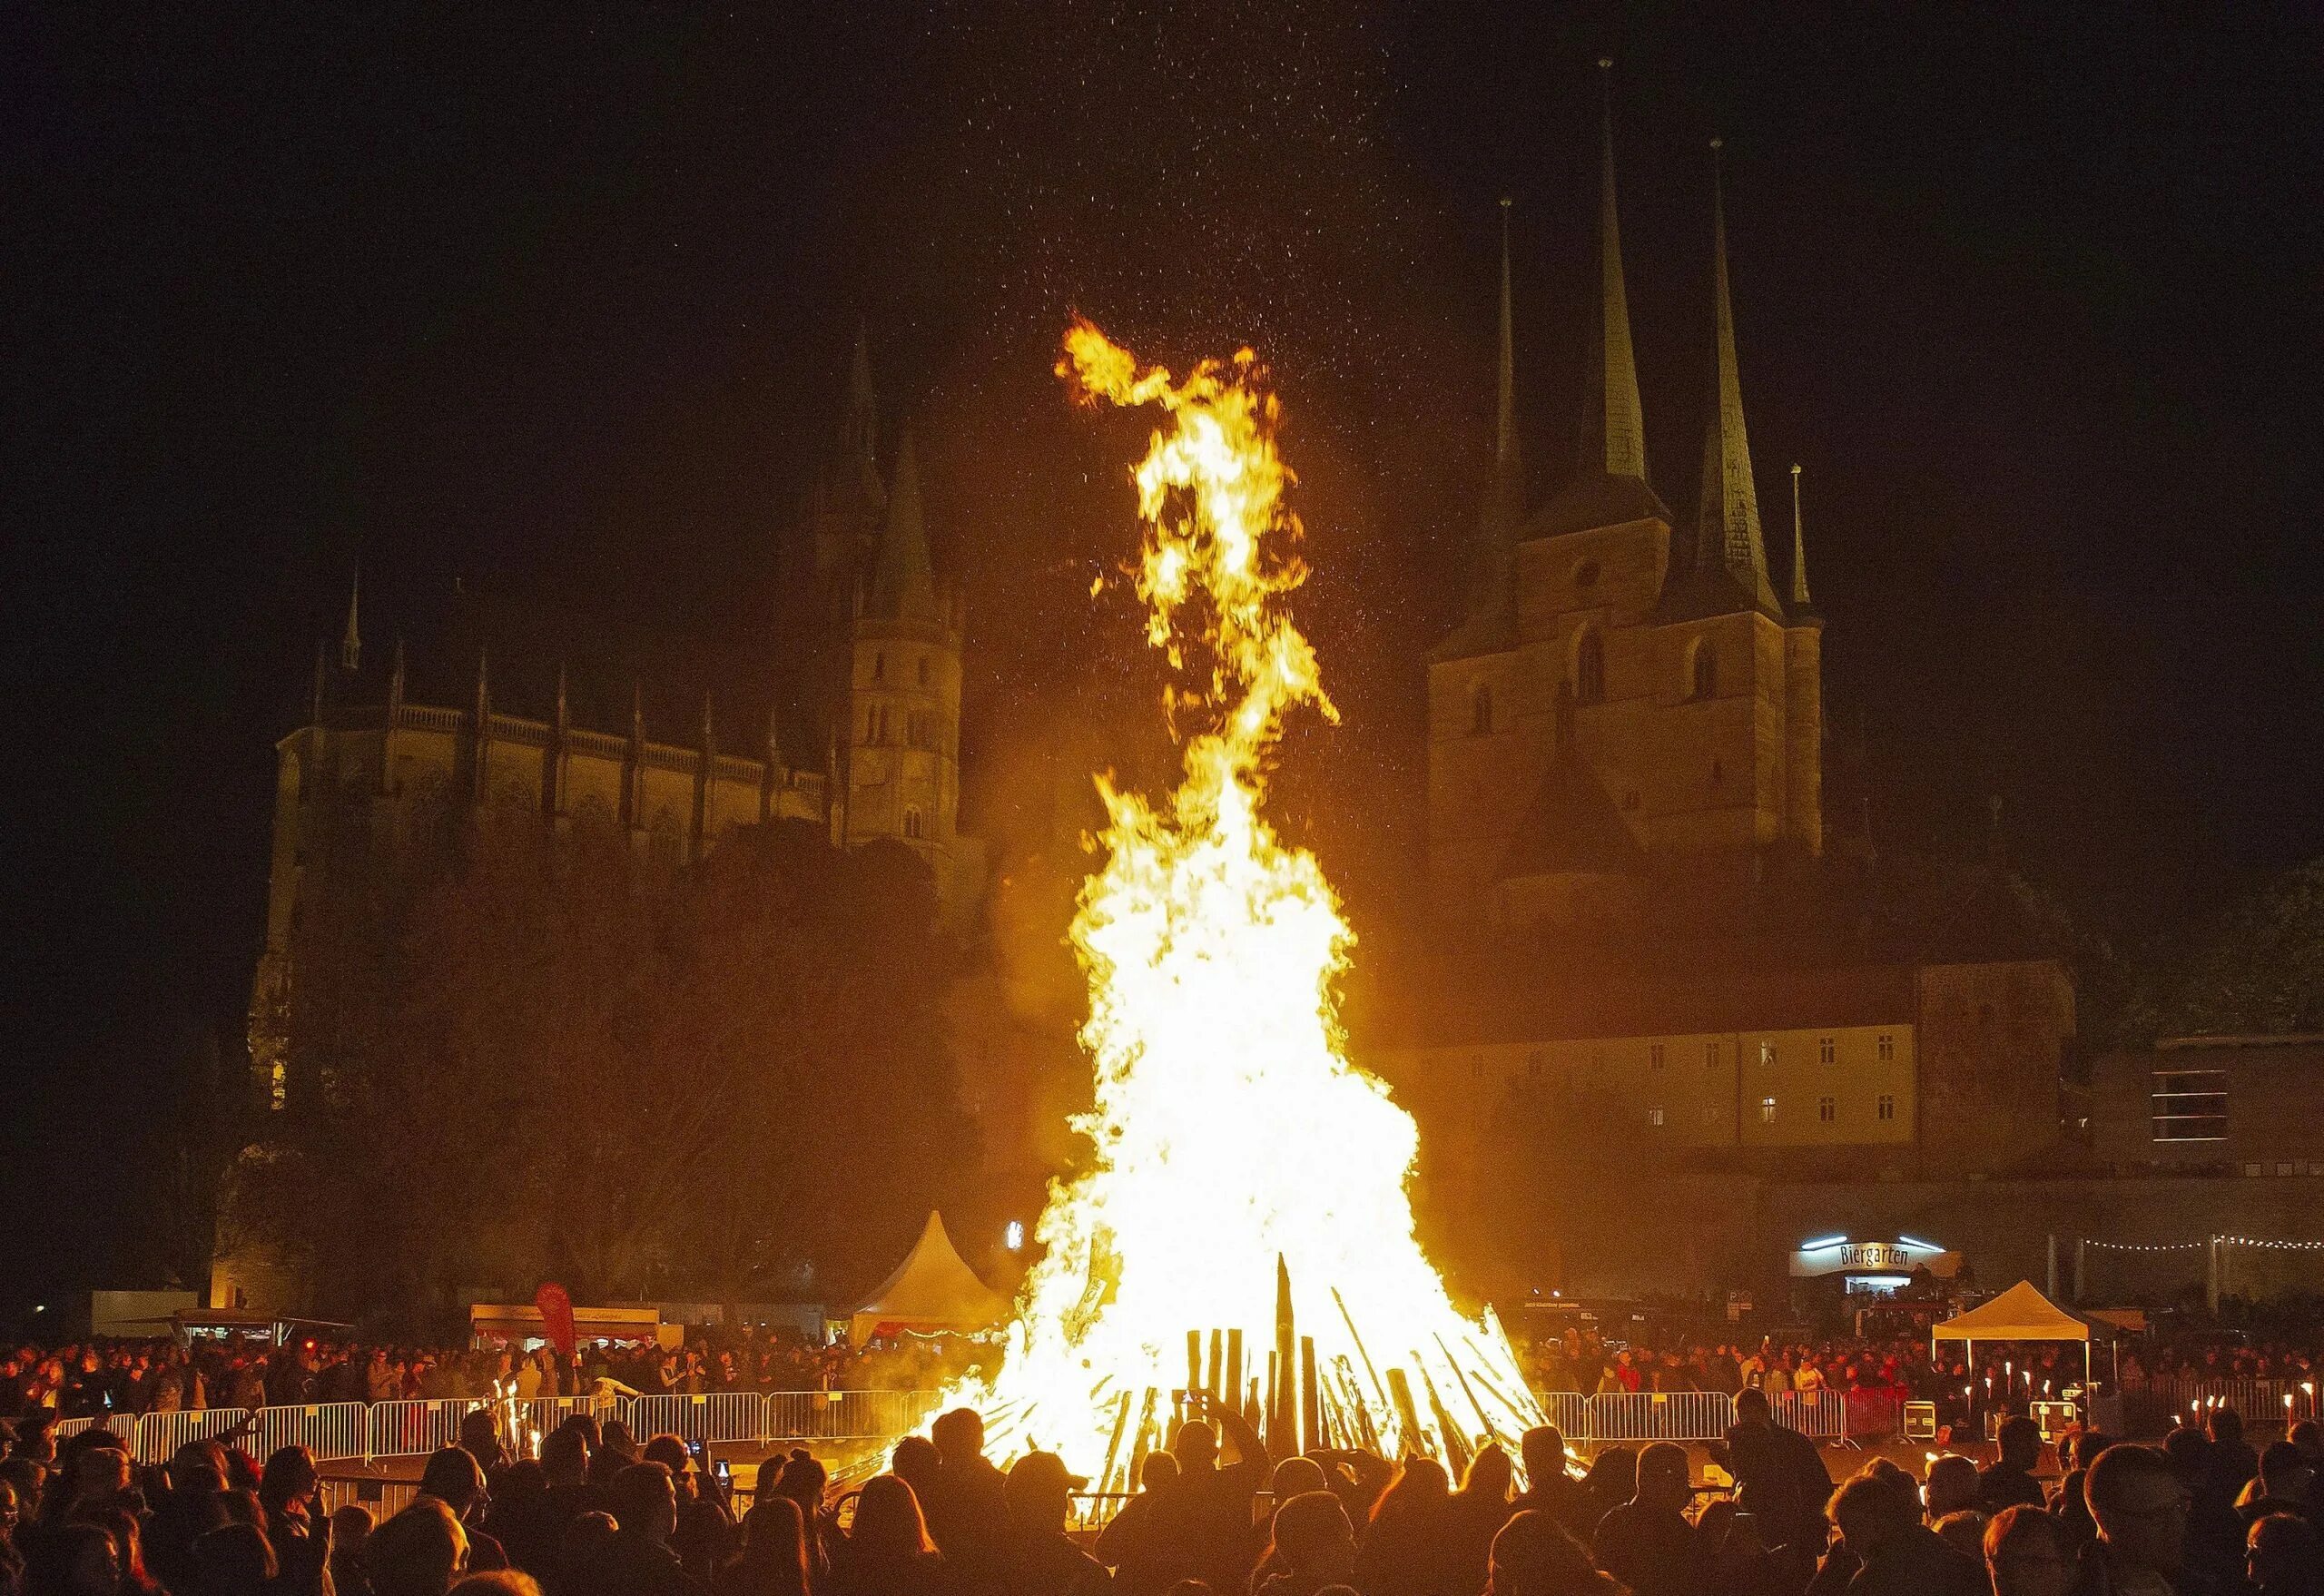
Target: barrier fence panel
[(414, 1428), (1569, 1410), (543, 1414), (65, 1428), (1870, 1413), (158, 1436), (383, 1499), (846, 1415), (1660, 1415), (1821, 1413), (334, 1431), (723, 1415)]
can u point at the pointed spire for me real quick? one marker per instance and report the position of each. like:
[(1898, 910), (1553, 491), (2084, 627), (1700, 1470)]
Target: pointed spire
[(1613, 425), (350, 642), (859, 423), (1504, 435), (1799, 600), (904, 583), (1727, 516)]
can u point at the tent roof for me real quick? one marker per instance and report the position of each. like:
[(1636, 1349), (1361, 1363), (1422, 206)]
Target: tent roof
[(933, 1286), (2019, 1313)]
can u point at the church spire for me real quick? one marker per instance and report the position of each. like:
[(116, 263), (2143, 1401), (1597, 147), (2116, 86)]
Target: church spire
[(1614, 437), (859, 422), (903, 582), (1727, 516), (350, 642), (1799, 600)]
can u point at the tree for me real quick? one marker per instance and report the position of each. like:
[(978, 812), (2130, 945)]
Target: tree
[(521, 1053), (2258, 969)]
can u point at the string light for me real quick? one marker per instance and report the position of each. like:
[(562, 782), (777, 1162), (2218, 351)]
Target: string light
[(2188, 1246)]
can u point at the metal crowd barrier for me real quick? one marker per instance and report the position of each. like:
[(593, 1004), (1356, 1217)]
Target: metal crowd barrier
[(1820, 1414), (414, 1429), (1660, 1415), (1569, 1410), (846, 1415), (334, 1431), (723, 1415), (158, 1436), (348, 1432)]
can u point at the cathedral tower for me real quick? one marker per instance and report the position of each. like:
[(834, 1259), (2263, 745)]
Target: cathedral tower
[(902, 774), (1613, 701)]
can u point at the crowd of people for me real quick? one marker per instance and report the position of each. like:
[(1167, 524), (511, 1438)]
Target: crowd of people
[(97, 1378), (596, 1514)]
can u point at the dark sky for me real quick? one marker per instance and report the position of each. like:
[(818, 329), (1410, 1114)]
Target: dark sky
[(551, 302)]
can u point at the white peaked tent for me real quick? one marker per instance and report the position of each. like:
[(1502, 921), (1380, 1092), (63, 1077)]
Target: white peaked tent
[(2019, 1313), (932, 1290)]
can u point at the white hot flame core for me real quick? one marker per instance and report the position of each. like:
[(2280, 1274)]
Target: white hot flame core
[(1229, 1127)]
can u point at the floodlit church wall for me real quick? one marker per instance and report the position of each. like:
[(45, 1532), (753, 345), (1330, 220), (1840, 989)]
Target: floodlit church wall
[(1615, 570), (1479, 781)]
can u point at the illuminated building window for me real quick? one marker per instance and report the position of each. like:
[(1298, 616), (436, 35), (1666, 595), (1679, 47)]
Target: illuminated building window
[(1827, 1110), (912, 824), (1711, 1055), (1887, 1106), (1654, 1115), (1828, 1050), (1767, 1110), (1481, 711), (1654, 1056), (1766, 1052), (1888, 1049)]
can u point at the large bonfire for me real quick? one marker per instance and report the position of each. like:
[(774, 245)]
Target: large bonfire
[(1243, 1228)]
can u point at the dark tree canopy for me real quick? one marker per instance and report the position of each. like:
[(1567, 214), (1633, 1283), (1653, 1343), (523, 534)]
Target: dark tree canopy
[(519, 1054)]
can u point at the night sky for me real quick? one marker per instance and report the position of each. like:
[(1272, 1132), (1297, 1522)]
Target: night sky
[(546, 306)]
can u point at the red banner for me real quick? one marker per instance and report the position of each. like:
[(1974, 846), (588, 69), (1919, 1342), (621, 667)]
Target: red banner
[(557, 1316)]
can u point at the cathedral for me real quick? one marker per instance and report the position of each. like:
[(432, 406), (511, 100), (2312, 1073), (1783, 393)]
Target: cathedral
[(1617, 703), (871, 752)]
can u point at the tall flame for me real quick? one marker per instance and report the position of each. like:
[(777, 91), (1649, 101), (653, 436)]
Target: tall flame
[(1232, 1135)]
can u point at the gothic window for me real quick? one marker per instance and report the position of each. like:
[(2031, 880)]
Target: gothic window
[(1590, 669), (913, 826), (1480, 710), (923, 670), (1702, 671)]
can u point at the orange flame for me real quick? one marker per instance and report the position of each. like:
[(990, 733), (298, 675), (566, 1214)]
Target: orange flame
[(1229, 1128)]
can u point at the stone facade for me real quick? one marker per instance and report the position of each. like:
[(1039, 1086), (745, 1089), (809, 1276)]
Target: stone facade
[(877, 697), (1607, 672)]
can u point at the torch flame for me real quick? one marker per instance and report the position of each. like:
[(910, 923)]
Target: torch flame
[(1230, 1131)]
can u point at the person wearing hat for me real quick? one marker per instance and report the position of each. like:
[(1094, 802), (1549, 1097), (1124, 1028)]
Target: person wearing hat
[(1041, 1559)]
